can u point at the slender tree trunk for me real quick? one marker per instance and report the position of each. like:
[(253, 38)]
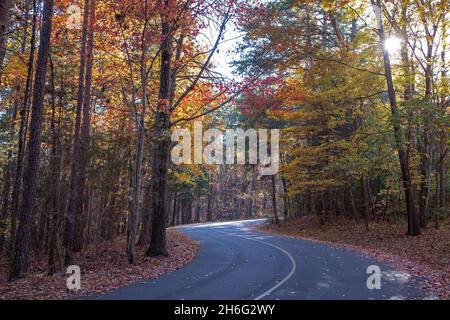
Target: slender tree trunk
[(174, 210), (274, 199), (443, 148), (82, 208), (146, 223), (234, 191), (442, 167), (285, 199), (299, 206), (173, 80), (7, 172), (5, 201), (408, 94), (140, 127), (197, 213), (144, 235), (314, 203), (252, 193), (136, 191), (413, 225), (209, 199), (7, 198), (365, 194), (23, 113), (425, 144), (74, 196), (185, 212), (41, 228), (180, 213), (55, 165), (352, 200), (182, 218), (19, 265), (189, 212)]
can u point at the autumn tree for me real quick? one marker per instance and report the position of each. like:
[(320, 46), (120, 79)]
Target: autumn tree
[(19, 264)]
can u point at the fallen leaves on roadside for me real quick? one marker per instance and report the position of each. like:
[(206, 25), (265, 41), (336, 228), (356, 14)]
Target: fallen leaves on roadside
[(103, 268)]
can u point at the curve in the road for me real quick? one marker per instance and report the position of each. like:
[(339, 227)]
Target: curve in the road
[(237, 263), (280, 283)]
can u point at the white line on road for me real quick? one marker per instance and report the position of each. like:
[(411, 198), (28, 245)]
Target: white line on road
[(291, 273)]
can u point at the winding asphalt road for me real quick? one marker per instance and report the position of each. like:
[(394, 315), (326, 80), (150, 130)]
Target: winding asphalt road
[(235, 262)]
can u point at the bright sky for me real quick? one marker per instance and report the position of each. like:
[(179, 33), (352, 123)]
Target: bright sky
[(225, 54)]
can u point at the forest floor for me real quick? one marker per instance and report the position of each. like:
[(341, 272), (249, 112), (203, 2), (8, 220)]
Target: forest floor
[(103, 268), (426, 256)]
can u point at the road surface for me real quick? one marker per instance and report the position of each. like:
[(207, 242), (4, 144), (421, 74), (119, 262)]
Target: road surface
[(235, 262)]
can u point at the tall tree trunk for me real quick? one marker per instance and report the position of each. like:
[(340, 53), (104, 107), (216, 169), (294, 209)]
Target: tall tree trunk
[(408, 94), (140, 127), (425, 143), (161, 132), (74, 196), (19, 265), (82, 208), (443, 148), (7, 173), (55, 165), (23, 127), (5, 201), (413, 223), (136, 191), (8, 168)]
